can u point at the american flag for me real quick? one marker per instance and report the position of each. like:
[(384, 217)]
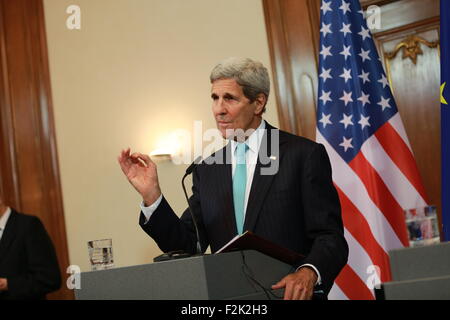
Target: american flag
[(374, 169)]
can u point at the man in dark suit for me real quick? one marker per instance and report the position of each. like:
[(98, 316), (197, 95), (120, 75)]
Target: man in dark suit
[(28, 265), (270, 182)]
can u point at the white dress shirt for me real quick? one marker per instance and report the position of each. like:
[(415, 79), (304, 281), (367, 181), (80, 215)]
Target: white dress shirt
[(4, 220), (253, 142)]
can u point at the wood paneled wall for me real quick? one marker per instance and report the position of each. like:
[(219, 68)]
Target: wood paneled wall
[(293, 28), (29, 165), (412, 63), (293, 33)]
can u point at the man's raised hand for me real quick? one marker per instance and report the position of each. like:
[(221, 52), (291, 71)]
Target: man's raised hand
[(141, 172)]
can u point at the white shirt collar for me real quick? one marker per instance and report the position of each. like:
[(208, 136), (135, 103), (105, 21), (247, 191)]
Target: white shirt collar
[(254, 140), (4, 218)]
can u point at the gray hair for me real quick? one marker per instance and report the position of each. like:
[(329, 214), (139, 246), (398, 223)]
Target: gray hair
[(251, 75)]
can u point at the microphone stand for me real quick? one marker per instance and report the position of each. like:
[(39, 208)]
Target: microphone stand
[(171, 255)]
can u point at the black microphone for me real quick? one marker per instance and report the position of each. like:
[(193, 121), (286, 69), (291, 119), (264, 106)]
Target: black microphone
[(181, 254), (189, 170), (193, 165)]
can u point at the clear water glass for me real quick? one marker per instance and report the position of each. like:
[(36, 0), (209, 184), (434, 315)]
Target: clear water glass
[(101, 254)]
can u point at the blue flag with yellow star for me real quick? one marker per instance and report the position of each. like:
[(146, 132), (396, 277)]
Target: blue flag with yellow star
[(445, 115)]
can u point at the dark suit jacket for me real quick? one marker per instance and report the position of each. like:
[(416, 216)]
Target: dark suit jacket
[(297, 208), (27, 259)]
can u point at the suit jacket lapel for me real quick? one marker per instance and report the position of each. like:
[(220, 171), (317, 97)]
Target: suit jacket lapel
[(267, 158), (8, 234)]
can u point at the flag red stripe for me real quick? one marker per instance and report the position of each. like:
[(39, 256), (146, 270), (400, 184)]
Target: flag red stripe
[(352, 285), (357, 225), (381, 196), (401, 155)]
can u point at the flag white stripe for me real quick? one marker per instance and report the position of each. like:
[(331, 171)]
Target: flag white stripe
[(348, 181), (398, 185), (397, 124), (336, 293), (358, 259)]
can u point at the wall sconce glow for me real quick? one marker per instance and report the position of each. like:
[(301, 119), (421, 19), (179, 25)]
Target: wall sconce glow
[(168, 147), (161, 154)]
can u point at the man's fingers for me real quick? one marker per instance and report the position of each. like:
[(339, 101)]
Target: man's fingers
[(136, 159), (146, 159), (124, 155), (280, 284), (306, 294), (124, 152), (119, 160), (289, 291), (141, 158), (124, 159), (297, 292), (298, 286)]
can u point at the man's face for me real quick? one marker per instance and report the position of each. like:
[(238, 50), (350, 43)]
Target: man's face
[(232, 109)]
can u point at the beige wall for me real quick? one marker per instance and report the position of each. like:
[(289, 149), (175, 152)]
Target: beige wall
[(136, 71)]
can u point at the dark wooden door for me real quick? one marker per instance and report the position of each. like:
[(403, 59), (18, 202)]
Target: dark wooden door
[(29, 173)]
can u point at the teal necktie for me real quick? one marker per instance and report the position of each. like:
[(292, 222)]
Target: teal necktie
[(239, 185)]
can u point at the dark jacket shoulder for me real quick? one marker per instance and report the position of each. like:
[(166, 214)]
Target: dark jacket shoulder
[(300, 146), (25, 221), (24, 217)]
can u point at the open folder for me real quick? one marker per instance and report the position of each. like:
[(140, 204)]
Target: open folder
[(250, 241)]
